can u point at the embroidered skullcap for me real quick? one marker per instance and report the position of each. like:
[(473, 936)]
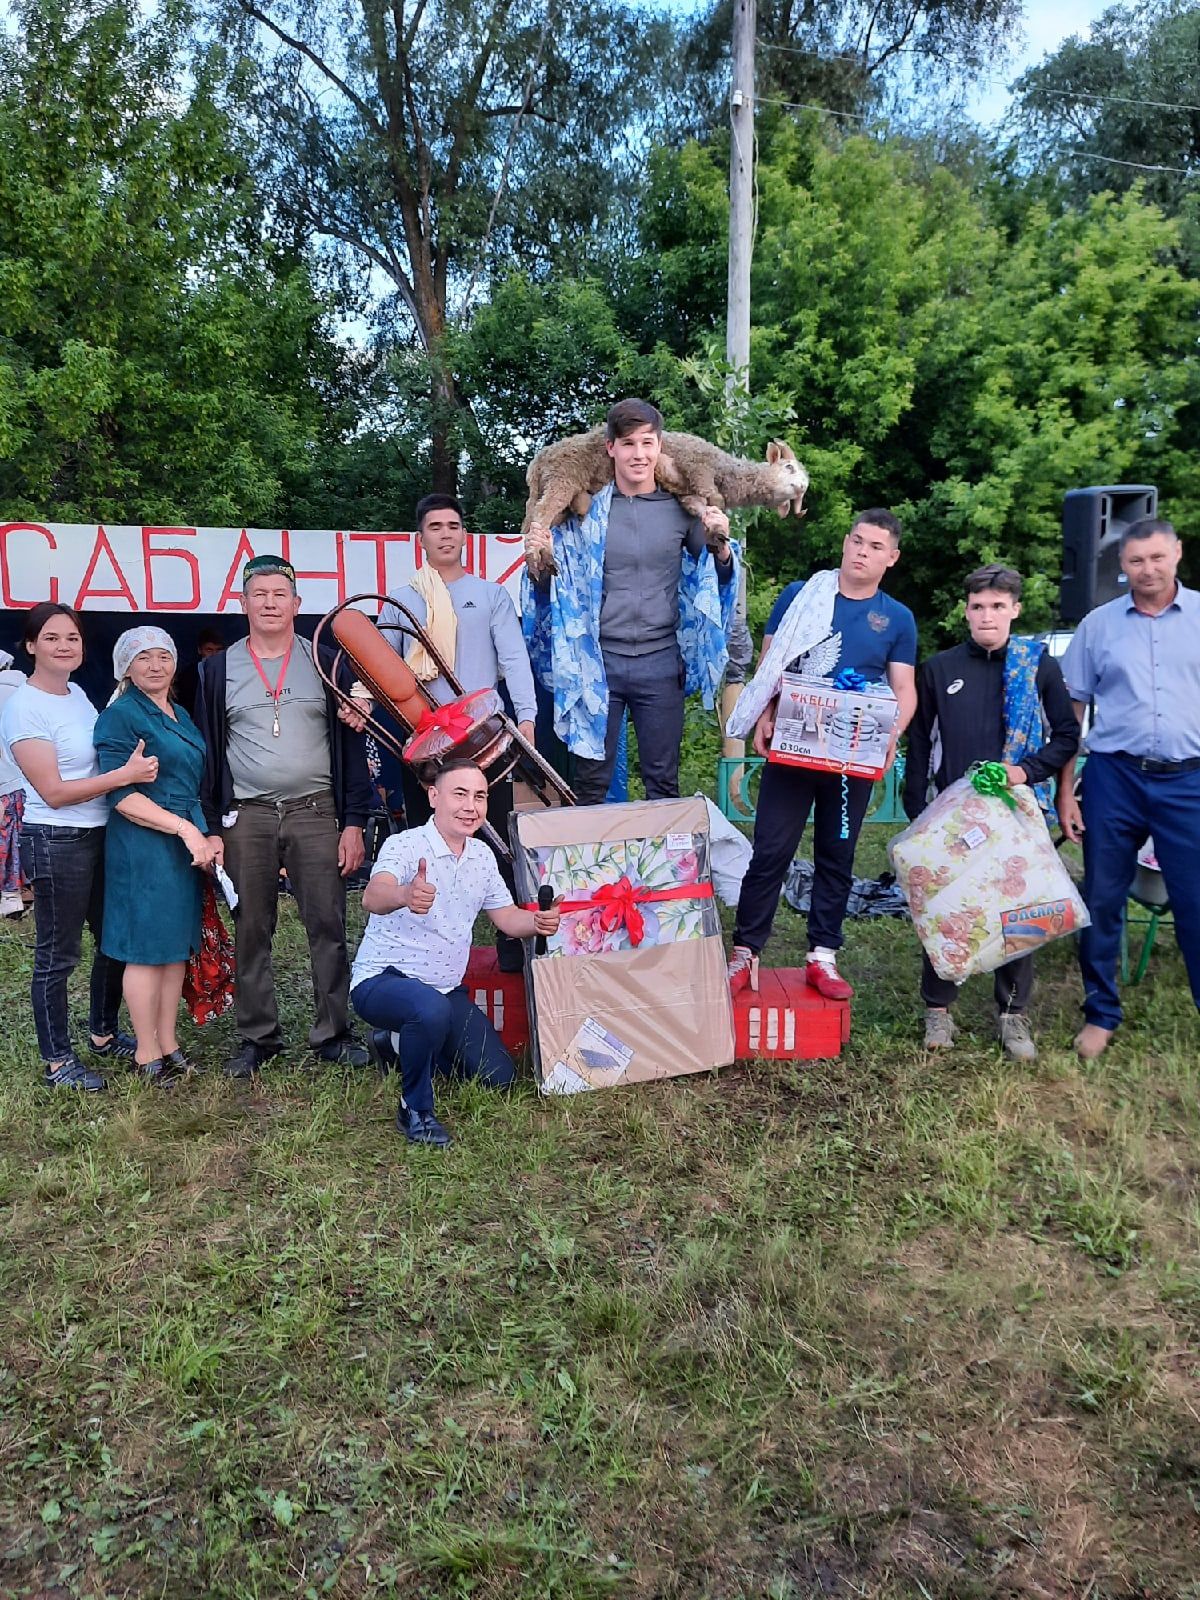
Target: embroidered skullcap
[(267, 566), (133, 641)]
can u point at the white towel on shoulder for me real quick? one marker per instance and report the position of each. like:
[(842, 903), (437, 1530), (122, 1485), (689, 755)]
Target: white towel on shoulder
[(807, 621)]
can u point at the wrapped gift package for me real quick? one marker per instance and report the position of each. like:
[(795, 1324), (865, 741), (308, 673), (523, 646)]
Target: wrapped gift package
[(472, 727), (983, 880), (633, 985), (831, 729)]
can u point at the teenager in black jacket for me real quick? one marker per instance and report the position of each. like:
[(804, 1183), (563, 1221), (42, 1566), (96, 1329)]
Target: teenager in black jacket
[(960, 719)]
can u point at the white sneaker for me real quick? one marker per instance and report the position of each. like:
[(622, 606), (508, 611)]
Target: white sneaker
[(939, 1029), (1015, 1037)]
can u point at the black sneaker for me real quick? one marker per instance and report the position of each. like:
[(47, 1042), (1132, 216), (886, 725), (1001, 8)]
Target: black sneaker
[(72, 1074), (383, 1052), (422, 1127), (180, 1062), (247, 1059), (346, 1051), (120, 1047)]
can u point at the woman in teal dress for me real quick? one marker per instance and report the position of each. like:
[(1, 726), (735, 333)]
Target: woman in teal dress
[(156, 848)]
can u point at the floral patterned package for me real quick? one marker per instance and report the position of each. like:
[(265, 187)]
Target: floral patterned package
[(633, 985), (983, 880), (624, 893)]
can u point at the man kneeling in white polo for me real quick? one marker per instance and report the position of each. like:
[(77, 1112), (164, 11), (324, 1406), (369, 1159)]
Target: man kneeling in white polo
[(427, 887)]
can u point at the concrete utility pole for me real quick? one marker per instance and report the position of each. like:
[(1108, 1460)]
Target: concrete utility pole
[(741, 185), (741, 240)]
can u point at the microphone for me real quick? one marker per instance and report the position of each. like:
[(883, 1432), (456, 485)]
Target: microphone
[(545, 901)]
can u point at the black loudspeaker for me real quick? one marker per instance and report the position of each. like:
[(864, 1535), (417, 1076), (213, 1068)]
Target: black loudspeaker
[(1093, 520)]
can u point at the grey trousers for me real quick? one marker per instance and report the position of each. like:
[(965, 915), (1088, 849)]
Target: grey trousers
[(301, 836), (652, 687)]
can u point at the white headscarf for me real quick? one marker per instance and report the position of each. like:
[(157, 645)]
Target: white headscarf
[(133, 641)]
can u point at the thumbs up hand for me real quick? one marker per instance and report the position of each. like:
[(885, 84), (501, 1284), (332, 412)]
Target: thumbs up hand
[(421, 893), (141, 768)]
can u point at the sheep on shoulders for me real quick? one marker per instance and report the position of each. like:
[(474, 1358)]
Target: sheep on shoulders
[(564, 476)]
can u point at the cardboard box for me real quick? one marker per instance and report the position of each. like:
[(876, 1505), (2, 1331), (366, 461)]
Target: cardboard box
[(633, 986), (833, 730), (784, 1020)]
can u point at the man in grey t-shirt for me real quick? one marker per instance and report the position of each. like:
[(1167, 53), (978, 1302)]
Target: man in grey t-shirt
[(263, 765), (286, 784), (648, 531)]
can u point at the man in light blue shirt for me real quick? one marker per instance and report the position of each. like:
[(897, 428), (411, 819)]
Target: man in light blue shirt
[(1138, 659)]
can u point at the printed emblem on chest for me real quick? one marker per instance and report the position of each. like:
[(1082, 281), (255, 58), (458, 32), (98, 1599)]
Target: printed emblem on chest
[(878, 620)]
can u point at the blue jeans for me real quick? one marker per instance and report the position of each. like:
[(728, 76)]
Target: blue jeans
[(66, 868), (1121, 806), (652, 687), (432, 1032)]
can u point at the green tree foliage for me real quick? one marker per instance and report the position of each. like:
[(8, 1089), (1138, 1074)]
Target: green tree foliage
[(157, 360), (436, 139), (924, 342), (1108, 110)]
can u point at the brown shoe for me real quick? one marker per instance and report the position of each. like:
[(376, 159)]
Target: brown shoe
[(1092, 1041)]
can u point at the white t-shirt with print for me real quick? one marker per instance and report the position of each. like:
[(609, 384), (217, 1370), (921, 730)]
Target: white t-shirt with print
[(66, 722), (434, 948)]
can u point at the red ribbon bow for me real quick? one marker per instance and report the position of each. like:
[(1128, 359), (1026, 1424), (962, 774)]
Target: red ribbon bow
[(618, 908), (617, 904), (450, 719)]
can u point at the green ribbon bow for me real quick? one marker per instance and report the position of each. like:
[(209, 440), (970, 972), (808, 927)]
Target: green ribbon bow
[(990, 778)]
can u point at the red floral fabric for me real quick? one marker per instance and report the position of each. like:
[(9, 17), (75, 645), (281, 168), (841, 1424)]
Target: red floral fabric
[(208, 981)]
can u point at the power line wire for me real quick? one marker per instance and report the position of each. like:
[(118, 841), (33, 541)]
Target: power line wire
[(1139, 166), (1085, 155), (803, 105), (1118, 100)]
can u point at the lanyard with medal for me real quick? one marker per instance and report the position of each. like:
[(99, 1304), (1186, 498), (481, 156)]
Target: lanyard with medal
[(274, 693)]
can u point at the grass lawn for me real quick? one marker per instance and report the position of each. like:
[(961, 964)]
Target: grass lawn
[(883, 1326)]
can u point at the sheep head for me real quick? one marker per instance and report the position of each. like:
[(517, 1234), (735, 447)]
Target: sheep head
[(790, 478)]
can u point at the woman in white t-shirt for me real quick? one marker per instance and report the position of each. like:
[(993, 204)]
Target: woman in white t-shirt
[(47, 729)]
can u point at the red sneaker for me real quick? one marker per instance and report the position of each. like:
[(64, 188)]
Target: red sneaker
[(742, 970), (826, 980)]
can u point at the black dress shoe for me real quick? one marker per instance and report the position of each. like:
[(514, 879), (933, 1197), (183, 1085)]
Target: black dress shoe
[(346, 1051), (247, 1059), (383, 1051), (422, 1127)]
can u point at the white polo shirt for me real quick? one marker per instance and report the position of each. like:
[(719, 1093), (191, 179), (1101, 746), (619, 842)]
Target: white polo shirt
[(434, 948)]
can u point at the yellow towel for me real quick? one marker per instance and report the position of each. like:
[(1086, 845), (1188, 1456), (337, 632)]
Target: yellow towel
[(440, 624)]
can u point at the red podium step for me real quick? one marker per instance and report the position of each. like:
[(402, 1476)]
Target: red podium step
[(500, 996), (788, 1021), (784, 1021)]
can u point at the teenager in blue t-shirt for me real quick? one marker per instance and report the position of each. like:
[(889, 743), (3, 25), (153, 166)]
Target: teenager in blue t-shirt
[(877, 636)]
